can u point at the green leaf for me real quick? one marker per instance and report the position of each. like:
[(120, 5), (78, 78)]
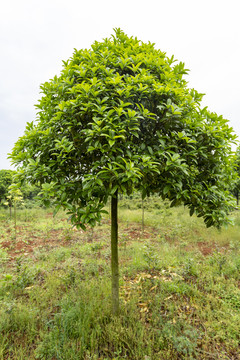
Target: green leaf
[(166, 189), (61, 106), (111, 142), (150, 150)]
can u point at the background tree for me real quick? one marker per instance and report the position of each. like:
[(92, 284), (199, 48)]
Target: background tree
[(29, 191), (6, 177), (120, 118), (236, 184), (14, 198)]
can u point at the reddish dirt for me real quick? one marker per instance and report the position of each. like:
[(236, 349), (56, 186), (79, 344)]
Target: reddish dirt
[(134, 231), (205, 249), (22, 247), (29, 240)]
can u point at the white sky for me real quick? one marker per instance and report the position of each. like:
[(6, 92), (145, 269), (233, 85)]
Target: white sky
[(36, 35)]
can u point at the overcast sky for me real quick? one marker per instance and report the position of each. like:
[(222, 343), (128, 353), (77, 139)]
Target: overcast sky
[(36, 35)]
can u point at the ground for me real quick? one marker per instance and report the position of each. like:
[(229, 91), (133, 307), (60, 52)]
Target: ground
[(28, 241), (179, 288)]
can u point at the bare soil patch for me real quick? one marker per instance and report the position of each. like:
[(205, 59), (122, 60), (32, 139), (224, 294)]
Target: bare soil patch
[(28, 240)]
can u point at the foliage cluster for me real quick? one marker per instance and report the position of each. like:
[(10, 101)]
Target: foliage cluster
[(28, 192), (236, 184), (120, 117), (5, 181)]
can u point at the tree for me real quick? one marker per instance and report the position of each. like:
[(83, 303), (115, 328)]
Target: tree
[(236, 184), (6, 177), (14, 198), (28, 191), (120, 118)]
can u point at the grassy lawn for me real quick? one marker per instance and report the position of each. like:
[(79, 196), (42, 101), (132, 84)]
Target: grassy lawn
[(179, 287)]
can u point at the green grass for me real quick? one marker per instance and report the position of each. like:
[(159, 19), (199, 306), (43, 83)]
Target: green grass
[(179, 288)]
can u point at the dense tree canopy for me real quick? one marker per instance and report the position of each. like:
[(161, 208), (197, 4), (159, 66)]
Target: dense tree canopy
[(120, 116)]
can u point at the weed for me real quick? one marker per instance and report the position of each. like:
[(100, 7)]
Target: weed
[(151, 257), (70, 276), (189, 268), (25, 278), (96, 247), (184, 339), (124, 240), (3, 256), (68, 234), (220, 259)]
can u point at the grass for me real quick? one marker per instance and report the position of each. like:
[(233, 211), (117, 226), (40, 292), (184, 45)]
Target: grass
[(179, 287)]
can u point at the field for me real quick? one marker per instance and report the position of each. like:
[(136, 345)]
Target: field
[(179, 287)]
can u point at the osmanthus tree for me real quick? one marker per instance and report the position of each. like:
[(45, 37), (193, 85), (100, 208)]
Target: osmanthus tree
[(121, 118)]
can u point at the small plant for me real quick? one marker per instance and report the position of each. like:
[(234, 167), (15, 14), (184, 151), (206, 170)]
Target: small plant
[(123, 241), (150, 256), (70, 276), (189, 268), (96, 247), (220, 259), (25, 276), (184, 340), (232, 298), (68, 232), (3, 256)]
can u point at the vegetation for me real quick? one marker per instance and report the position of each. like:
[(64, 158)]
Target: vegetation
[(7, 186), (179, 287), (6, 178), (119, 118), (236, 184)]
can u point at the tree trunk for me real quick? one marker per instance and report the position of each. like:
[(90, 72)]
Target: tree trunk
[(114, 254), (142, 216), (15, 220)]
